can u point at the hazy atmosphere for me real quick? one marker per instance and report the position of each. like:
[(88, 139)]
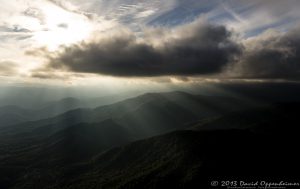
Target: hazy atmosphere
[(99, 42), (136, 93)]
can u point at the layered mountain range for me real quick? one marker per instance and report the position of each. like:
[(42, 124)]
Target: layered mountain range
[(173, 139)]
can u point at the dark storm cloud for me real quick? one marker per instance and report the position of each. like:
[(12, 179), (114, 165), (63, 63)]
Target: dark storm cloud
[(275, 56), (198, 48)]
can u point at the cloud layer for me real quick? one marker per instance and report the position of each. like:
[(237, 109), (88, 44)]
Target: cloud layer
[(272, 55), (137, 38), (196, 48)]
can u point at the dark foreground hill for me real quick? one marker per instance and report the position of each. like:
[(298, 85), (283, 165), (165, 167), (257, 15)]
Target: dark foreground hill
[(186, 159), (264, 143)]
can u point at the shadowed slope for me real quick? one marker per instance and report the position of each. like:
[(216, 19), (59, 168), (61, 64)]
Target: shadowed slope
[(180, 159)]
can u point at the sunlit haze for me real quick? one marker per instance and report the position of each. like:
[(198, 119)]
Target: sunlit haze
[(60, 42), (117, 94)]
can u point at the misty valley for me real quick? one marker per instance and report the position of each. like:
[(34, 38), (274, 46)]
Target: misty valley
[(164, 139)]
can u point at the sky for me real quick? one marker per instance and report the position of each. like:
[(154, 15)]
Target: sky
[(121, 43)]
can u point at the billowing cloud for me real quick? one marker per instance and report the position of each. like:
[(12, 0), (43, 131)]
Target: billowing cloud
[(192, 49), (270, 55), (238, 39)]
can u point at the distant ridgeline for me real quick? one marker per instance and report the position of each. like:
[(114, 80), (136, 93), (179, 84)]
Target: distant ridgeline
[(172, 140)]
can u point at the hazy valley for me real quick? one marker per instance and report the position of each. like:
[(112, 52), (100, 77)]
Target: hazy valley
[(156, 139)]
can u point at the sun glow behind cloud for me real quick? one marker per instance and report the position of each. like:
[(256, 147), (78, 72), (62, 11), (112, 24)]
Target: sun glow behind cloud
[(41, 24), (62, 28)]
